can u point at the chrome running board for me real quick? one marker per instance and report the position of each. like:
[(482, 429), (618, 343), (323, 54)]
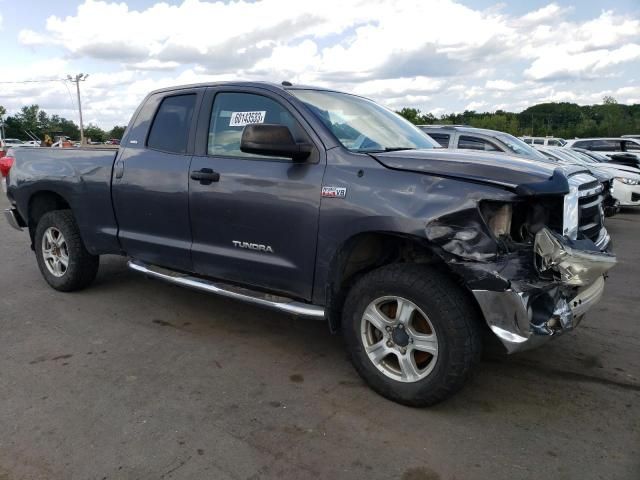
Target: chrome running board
[(283, 304)]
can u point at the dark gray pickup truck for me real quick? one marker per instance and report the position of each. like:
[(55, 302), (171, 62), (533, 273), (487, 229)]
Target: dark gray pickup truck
[(325, 205)]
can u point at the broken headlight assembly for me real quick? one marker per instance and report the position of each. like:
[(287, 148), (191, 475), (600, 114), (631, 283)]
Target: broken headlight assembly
[(519, 222)]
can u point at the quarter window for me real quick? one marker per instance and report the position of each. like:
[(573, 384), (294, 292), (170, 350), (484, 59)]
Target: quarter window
[(471, 143), (170, 128), (232, 111)]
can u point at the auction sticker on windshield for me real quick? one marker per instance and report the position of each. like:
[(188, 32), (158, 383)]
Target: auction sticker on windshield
[(240, 119)]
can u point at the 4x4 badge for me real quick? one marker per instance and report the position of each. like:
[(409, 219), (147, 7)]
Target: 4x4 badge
[(334, 192)]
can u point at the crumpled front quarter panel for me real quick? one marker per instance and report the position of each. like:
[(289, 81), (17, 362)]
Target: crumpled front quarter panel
[(380, 199)]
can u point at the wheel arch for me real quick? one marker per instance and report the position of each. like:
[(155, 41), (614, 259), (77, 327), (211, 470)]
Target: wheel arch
[(366, 251), (41, 202)]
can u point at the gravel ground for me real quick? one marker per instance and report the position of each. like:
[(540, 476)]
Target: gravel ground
[(133, 378)]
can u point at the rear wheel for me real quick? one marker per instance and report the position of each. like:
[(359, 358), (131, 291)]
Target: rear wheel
[(412, 333), (63, 260)]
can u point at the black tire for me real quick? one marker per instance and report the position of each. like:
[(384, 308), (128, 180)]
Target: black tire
[(82, 266), (454, 319)]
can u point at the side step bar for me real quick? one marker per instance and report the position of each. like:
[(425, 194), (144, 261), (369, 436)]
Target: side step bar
[(283, 304)]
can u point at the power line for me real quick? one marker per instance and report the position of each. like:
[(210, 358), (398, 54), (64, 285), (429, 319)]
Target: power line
[(35, 81)]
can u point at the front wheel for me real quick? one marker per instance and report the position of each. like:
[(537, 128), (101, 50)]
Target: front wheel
[(413, 334), (63, 260)]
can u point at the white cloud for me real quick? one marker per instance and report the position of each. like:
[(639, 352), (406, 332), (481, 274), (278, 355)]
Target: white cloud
[(437, 54), (500, 85), (548, 13), (562, 64), (475, 105)]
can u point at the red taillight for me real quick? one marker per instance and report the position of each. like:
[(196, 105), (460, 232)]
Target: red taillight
[(5, 165)]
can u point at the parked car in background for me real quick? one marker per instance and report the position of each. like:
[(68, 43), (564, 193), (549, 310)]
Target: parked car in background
[(567, 156), (32, 143), (326, 205), (13, 142), (544, 141), (621, 150), (626, 182), (464, 137), (112, 141)]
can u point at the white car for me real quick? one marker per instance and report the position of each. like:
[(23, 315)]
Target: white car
[(626, 179), (5, 143)]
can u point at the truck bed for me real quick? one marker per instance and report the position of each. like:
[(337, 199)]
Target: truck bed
[(80, 176)]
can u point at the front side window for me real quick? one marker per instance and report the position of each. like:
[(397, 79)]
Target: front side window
[(232, 111), (631, 146), (518, 147), (538, 141), (170, 129), (361, 125), (473, 143)]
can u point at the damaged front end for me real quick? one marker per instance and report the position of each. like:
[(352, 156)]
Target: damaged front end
[(531, 282)]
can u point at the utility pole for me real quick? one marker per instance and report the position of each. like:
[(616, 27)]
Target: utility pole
[(77, 79)]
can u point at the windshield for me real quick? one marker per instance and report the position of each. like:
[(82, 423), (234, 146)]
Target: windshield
[(518, 147), (362, 125)]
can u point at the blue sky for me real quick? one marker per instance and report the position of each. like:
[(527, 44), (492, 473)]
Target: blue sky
[(436, 55)]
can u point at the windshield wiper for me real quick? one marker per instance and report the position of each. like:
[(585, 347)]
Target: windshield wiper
[(382, 150)]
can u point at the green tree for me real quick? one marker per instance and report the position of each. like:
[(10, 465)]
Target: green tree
[(117, 132), (94, 133), (416, 117)]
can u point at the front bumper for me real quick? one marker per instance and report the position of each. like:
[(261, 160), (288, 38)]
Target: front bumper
[(14, 219), (530, 313)]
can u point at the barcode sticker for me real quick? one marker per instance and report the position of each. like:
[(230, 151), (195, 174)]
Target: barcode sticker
[(240, 119)]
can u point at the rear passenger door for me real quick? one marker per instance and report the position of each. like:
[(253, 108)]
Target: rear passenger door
[(257, 223), (151, 181)]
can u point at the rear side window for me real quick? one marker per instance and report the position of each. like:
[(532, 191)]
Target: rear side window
[(472, 143), (538, 141), (527, 141), (605, 145), (583, 144), (170, 128), (441, 138), (632, 147), (232, 111)]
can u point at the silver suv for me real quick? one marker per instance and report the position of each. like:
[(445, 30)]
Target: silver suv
[(470, 138)]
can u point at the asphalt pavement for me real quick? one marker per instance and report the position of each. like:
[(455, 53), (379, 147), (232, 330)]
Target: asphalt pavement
[(136, 379)]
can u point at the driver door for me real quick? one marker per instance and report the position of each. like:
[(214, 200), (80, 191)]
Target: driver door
[(256, 222)]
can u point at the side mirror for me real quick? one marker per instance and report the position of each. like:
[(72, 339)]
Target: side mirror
[(273, 140)]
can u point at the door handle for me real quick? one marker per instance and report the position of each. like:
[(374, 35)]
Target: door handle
[(205, 176), (118, 169)]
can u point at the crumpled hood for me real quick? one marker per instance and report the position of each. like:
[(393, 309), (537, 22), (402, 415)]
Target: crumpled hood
[(492, 168)]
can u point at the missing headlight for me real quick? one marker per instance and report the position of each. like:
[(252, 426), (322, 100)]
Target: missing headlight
[(520, 221)]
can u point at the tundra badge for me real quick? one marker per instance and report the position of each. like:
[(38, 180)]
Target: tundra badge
[(252, 246)]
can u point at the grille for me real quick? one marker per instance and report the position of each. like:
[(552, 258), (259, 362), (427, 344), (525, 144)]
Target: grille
[(590, 210)]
